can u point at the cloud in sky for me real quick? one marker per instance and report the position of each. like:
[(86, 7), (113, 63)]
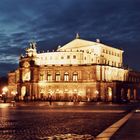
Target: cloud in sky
[(51, 23)]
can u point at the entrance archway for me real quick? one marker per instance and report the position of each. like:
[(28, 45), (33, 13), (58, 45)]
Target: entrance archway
[(23, 92), (66, 95), (135, 94), (88, 94), (109, 94), (50, 94), (129, 94), (122, 94), (75, 95)]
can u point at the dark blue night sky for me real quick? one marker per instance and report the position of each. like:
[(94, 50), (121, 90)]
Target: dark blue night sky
[(51, 23)]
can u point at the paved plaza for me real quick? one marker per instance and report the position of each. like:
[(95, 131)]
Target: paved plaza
[(42, 120), (129, 131)]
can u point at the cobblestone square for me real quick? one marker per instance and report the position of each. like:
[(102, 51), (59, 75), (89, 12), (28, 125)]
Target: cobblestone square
[(34, 121)]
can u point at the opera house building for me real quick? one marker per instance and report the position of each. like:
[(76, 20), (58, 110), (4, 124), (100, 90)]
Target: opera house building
[(81, 70)]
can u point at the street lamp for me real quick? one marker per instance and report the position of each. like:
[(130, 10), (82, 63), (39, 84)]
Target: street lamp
[(97, 94), (50, 96), (4, 91), (14, 93)]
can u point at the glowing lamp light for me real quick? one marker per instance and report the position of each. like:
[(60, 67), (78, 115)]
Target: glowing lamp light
[(3, 93), (75, 90), (79, 94), (97, 92), (4, 90), (51, 92), (110, 94), (57, 90), (14, 93), (60, 91), (70, 92)]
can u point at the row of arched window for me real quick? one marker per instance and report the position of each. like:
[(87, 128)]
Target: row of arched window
[(58, 77)]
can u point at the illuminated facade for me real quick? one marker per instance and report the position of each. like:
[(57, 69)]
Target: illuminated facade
[(78, 71)]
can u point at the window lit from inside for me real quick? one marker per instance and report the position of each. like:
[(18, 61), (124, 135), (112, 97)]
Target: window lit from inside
[(57, 77), (49, 77), (66, 77), (75, 76)]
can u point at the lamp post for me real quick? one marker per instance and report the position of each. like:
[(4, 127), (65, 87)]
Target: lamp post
[(14, 93), (97, 95), (4, 92), (50, 97)]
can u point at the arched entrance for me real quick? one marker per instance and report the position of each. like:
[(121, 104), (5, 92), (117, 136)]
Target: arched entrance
[(135, 94), (109, 94), (129, 94), (42, 92), (75, 96), (50, 95), (96, 95), (23, 92), (57, 95), (66, 95), (122, 94), (88, 94)]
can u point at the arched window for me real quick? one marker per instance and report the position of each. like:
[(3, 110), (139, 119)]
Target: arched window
[(41, 76), (26, 75), (66, 76), (68, 57), (49, 77), (57, 76), (75, 76), (74, 56)]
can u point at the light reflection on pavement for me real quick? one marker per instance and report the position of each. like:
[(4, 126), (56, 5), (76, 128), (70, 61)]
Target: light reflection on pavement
[(38, 120)]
